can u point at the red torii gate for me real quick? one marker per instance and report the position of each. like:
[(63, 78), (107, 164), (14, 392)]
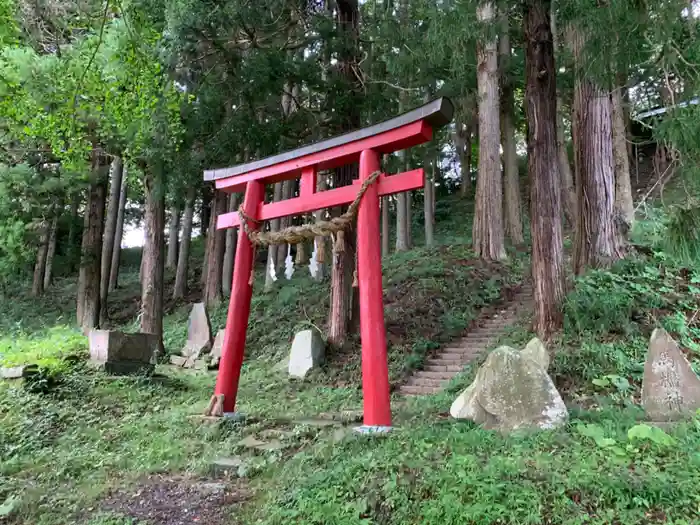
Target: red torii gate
[(366, 146)]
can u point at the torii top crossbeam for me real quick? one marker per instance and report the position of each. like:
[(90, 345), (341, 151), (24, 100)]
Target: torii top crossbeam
[(364, 146)]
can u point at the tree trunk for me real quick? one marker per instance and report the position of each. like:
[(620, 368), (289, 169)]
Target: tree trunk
[(488, 217), (401, 222), (41, 256), (48, 272), (598, 243), (183, 258), (409, 217), (567, 179), (624, 204), (343, 306), (230, 253), (153, 255), (386, 241), (216, 244), (341, 311), (91, 252), (273, 248), (513, 207), (173, 237), (110, 233), (118, 235), (545, 181), (428, 190), (206, 208), (466, 158), (320, 242), (73, 246), (285, 222)]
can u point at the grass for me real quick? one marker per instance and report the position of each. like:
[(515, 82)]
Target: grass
[(64, 445), (442, 472)]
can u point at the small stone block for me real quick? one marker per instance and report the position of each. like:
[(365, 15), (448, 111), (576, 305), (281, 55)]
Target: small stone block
[(114, 346), (372, 430), (201, 364), (223, 467), (275, 444), (308, 352), (317, 422), (198, 332), (178, 360), (250, 442), (15, 372)]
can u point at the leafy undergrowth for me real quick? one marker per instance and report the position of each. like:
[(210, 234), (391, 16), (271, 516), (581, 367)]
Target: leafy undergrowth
[(48, 350), (430, 297), (601, 469)]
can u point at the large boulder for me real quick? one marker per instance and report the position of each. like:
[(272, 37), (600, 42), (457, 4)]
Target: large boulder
[(670, 388), (122, 354), (308, 352), (199, 338), (512, 390)]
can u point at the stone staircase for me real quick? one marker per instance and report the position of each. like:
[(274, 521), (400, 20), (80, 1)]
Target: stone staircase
[(440, 369)]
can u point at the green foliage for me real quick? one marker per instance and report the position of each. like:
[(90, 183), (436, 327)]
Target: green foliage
[(48, 350), (442, 472)]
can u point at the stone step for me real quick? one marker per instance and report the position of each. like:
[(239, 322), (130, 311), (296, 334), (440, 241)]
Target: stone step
[(417, 391), (446, 361), (457, 353), (441, 376), (455, 369), (426, 383)]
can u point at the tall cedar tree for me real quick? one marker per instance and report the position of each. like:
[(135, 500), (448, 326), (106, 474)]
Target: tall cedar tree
[(543, 169), (488, 217), (153, 254), (598, 242), (513, 207), (342, 302)]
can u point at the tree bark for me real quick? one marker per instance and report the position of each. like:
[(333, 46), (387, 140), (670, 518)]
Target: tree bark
[(183, 258), (567, 179), (173, 237), (320, 242), (216, 244), (488, 217), (73, 246), (386, 241), (206, 208), (273, 248), (513, 206), (110, 233), (598, 243), (118, 235), (48, 272), (285, 222), (543, 169), (153, 255), (342, 296), (624, 203), (230, 253), (41, 256), (428, 190), (91, 252), (343, 301), (409, 216), (465, 158), (401, 222)]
